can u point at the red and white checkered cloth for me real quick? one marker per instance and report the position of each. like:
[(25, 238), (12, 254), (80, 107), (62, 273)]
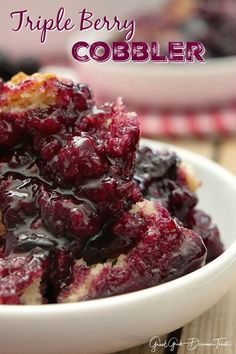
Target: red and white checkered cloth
[(212, 122)]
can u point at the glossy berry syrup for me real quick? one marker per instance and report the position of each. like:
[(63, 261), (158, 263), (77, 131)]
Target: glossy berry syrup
[(72, 187), (66, 170)]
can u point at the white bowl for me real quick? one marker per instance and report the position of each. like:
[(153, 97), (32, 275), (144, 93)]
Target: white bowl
[(169, 85), (119, 322)]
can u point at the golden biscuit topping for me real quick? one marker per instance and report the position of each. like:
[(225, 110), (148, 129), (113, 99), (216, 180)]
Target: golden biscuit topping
[(24, 92)]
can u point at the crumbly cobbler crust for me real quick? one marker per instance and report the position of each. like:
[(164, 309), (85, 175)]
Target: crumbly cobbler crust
[(32, 295), (26, 92), (193, 183), (2, 227)]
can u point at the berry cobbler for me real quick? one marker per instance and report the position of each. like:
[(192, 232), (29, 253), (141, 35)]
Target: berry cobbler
[(211, 22), (85, 212)]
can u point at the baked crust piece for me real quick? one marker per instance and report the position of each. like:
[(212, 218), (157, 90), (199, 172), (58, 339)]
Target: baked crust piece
[(21, 280), (192, 181), (2, 227), (25, 92)]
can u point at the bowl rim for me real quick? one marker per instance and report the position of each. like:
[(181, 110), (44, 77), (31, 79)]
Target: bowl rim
[(207, 272)]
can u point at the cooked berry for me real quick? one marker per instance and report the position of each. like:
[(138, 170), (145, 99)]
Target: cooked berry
[(67, 183), (162, 183), (167, 183), (164, 251), (12, 128), (201, 223), (61, 179), (151, 165), (68, 216), (80, 159), (17, 275)]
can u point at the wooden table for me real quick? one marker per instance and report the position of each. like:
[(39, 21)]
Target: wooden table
[(220, 320)]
